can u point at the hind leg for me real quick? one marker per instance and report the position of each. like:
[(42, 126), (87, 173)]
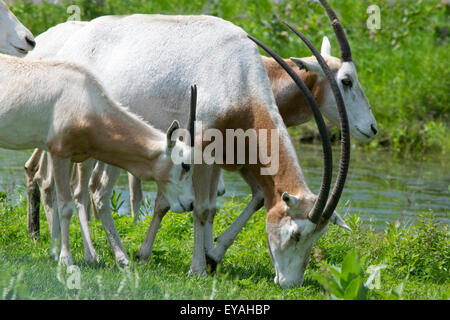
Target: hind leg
[(33, 193)]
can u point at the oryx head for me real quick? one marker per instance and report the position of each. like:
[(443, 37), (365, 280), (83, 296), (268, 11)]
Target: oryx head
[(15, 39), (363, 126), (290, 240), (298, 220), (176, 182)]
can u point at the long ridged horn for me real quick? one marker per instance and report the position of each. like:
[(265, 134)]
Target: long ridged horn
[(346, 53), (192, 116), (345, 131), (316, 211)]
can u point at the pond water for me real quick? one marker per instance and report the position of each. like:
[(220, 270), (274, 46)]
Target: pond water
[(380, 186)]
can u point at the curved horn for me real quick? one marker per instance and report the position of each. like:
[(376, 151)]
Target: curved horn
[(316, 211), (345, 131), (192, 116), (346, 53)]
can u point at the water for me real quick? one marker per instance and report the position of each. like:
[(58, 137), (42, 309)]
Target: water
[(380, 186)]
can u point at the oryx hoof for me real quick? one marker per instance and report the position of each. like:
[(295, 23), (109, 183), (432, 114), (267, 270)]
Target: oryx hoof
[(143, 258), (65, 259), (122, 261), (91, 258), (54, 255), (211, 264), (197, 273)]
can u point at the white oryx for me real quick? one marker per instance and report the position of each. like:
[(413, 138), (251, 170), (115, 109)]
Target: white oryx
[(62, 108), (15, 39), (123, 46)]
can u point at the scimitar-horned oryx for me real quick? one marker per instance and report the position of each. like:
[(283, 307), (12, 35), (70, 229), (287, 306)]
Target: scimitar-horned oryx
[(355, 84), (62, 108)]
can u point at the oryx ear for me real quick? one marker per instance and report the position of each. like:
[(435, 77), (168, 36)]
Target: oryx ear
[(173, 127), (310, 65), (337, 220), (289, 199), (326, 47)]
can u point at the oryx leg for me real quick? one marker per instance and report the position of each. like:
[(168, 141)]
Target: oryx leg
[(61, 171), (136, 195), (80, 187), (221, 186), (209, 224), (33, 194), (45, 179), (161, 208), (101, 187), (224, 241), (205, 179)]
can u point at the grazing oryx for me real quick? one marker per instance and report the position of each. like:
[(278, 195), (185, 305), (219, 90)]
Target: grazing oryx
[(62, 108), (15, 39), (240, 80), (291, 103)]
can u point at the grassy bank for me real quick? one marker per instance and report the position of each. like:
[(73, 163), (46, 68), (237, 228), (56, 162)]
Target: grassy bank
[(403, 67), (413, 260)]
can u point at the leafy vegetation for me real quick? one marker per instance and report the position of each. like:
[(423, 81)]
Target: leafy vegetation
[(404, 262), (403, 67), (404, 70), (347, 282)]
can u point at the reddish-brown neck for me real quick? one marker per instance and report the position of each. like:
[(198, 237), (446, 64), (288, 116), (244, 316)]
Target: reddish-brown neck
[(288, 178), (290, 101)]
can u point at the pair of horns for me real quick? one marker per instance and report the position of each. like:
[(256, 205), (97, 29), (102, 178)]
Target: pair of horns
[(322, 208), (344, 46)]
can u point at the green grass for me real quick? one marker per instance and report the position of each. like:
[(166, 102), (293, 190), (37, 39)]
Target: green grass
[(403, 67), (416, 257)]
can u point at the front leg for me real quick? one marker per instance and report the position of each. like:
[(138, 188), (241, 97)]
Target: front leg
[(226, 239), (80, 186), (136, 195), (201, 181), (215, 177), (101, 186), (161, 208), (44, 178), (61, 172)]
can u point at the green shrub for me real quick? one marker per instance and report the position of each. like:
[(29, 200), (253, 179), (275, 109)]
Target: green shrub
[(403, 67)]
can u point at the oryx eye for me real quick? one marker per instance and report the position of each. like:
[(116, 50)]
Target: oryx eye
[(186, 166), (347, 82)]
